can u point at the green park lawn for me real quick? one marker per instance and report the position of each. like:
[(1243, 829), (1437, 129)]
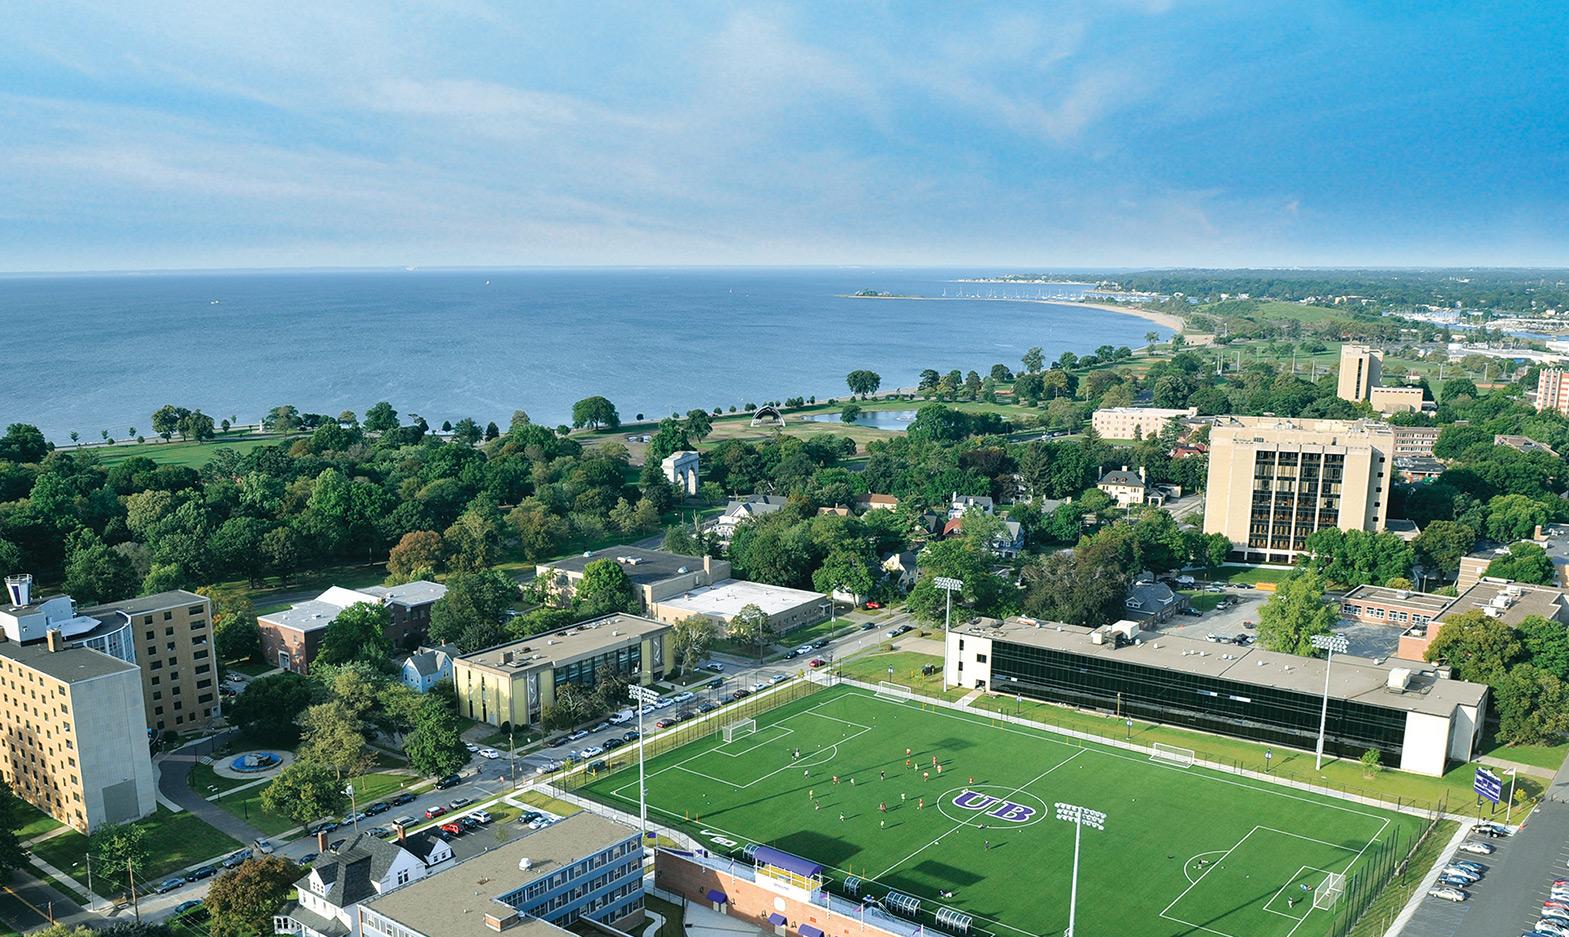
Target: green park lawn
[(192, 454), (1207, 849), (174, 841), (873, 667), (34, 821), (1248, 574)]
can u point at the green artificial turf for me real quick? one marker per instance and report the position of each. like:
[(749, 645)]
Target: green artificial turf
[(1184, 850)]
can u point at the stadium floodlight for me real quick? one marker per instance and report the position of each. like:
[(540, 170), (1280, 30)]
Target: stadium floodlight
[(1080, 817), (949, 585), (644, 697), (1330, 643)]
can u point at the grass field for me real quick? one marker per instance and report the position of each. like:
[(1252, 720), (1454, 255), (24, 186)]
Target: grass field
[(174, 841), (1184, 850)]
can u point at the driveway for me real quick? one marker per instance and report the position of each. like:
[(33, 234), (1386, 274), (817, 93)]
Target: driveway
[(174, 769)]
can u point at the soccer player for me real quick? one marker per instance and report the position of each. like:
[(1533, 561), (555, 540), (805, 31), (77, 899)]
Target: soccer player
[(882, 807), (920, 804), (926, 775)]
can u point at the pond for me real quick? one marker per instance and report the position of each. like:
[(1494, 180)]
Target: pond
[(896, 420)]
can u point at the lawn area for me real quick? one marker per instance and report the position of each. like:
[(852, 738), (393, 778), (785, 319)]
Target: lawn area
[(873, 668), (1249, 574), (174, 841), (1203, 601), (1541, 756), (34, 821), (247, 804), (193, 454), (254, 668), (1205, 847), (827, 628), (549, 804)]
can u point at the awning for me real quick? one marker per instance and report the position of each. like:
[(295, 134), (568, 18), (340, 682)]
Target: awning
[(717, 896), (776, 919), (808, 930), (779, 859)]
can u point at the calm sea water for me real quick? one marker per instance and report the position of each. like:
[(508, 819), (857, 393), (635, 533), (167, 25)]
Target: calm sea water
[(103, 352)]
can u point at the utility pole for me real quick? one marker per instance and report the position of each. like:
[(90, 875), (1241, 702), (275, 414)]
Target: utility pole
[(1330, 643), (130, 875)]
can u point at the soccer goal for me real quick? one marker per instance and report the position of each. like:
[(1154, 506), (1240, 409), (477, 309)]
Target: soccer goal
[(1171, 754), (742, 729), (886, 690), (1329, 891)]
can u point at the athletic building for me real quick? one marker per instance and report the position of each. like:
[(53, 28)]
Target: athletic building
[(1416, 719)]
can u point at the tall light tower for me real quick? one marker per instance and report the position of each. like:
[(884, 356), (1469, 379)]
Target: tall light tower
[(1330, 643), (1079, 817), (949, 585), (644, 698)]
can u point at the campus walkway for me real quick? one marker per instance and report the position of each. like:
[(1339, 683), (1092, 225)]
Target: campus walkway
[(174, 769)]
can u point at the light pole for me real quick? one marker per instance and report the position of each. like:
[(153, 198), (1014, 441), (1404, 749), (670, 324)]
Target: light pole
[(644, 698), (1079, 817), (1330, 643), (949, 585)]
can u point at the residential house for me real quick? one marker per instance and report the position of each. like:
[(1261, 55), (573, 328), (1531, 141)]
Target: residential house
[(901, 568), (1126, 488), (959, 504), (1007, 544), (329, 896), (741, 510), (1149, 602), (428, 666), (1523, 444), (877, 502)]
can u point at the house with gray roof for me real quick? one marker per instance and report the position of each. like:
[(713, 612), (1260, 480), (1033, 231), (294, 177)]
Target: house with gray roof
[(1149, 602), (741, 510), (366, 867), (428, 666)]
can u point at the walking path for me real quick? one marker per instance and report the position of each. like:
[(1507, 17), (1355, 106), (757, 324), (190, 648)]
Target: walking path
[(1523, 768), (174, 787)]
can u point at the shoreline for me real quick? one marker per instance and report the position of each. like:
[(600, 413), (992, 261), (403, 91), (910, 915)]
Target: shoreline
[(1164, 319)]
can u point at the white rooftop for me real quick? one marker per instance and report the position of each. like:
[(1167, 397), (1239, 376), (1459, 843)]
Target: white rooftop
[(725, 598)]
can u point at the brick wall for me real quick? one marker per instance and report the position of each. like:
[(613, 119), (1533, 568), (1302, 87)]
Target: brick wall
[(751, 902)]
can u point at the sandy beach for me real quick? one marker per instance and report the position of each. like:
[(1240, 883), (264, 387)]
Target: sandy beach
[(1163, 319)]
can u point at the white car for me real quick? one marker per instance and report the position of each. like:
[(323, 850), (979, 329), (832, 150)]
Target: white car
[(804, 649), (1454, 871), (759, 686), (1447, 893), (490, 753), (1478, 849), (779, 678), (1548, 925), (665, 703), (548, 767), (471, 747), (592, 751), (481, 816), (621, 717), (684, 696), (263, 846)]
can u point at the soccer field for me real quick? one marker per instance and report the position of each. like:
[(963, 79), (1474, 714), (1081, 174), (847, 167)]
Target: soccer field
[(1184, 850)]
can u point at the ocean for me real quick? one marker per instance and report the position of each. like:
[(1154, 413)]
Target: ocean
[(92, 353)]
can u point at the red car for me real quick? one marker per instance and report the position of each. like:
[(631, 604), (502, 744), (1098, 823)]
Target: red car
[(816, 662), (874, 605), (454, 828), (432, 813)]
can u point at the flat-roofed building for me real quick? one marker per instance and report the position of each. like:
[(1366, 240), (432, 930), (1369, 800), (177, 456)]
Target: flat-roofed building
[(1417, 719), (1414, 442), (1508, 602), (512, 683), (582, 867), (72, 741), (291, 637), (786, 608), (655, 574), (1552, 390), (1273, 481), (1378, 605), (1361, 368), (1388, 400), (1136, 422), (1523, 444)]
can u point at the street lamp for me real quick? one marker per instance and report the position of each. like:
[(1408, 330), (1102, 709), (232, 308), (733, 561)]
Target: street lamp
[(1330, 643), (644, 698), (949, 585), (1079, 817)]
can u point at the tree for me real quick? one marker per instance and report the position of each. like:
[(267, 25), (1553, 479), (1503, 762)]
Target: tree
[(863, 382), (751, 626), (1441, 544), (492, 431), (698, 424), (234, 631), (1546, 644), (595, 412), (23, 442), (982, 593), (1479, 649), (467, 432), (848, 568), (604, 589), (690, 639), (380, 418), (166, 420), (435, 746), (334, 737), (267, 710), (417, 554), (94, 572), (1526, 562), (473, 613), (304, 792), (1513, 517), (282, 419), (1294, 614), (119, 847), (359, 632), (850, 413), (242, 901), (1533, 706), (540, 531), (12, 856), (474, 540), (1034, 359), (196, 425)]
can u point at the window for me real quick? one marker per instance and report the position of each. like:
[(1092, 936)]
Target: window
[(980, 658)]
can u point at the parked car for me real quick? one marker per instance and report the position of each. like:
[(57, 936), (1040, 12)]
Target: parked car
[(377, 808), (1474, 866), (742, 693), (308, 858), (325, 826), (1446, 893), (629, 735), (1478, 849), (1216, 639), (894, 632), (792, 654), (1242, 639), (1494, 830), (621, 716), (664, 723), (804, 649), (432, 813), (451, 780), (403, 798), (481, 816), (529, 816), (1192, 613), (336, 845), (490, 753), (352, 819), (263, 846), (237, 858), (1453, 872), (707, 707), (187, 905), (874, 604), (579, 734), (821, 643), (601, 727), (201, 872), (715, 666), (471, 747), (593, 750), (779, 678), (169, 884), (1458, 881), (869, 626), (816, 662), (684, 696), (459, 802), (613, 743), (597, 766), (453, 828)]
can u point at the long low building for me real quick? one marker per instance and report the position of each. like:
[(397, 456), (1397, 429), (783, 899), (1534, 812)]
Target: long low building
[(512, 683), (291, 637), (1417, 720), (786, 608)]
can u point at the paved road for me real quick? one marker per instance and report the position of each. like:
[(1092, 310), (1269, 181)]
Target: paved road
[(1510, 895), (173, 782)]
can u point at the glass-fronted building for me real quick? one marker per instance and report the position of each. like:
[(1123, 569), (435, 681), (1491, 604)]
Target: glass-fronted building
[(1416, 719)]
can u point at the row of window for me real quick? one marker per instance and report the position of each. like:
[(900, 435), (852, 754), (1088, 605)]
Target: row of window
[(1353, 610)]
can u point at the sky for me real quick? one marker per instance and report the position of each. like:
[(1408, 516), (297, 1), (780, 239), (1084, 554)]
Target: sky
[(1118, 133)]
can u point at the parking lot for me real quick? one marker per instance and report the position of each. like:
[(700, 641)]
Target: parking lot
[(1243, 605)]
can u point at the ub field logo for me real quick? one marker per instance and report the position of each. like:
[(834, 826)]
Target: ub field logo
[(974, 805)]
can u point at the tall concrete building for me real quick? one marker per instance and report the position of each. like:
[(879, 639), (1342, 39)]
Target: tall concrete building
[(167, 636), (1274, 481), (1361, 368), (1552, 390)]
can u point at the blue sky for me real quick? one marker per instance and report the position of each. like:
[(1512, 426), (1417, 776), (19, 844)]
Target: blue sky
[(184, 134)]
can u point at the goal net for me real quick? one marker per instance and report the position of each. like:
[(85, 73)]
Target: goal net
[(1171, 754), (736, 730), (1329, 891), (888, 690)]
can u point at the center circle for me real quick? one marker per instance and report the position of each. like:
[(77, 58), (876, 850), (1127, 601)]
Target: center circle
[(1004, 795)]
